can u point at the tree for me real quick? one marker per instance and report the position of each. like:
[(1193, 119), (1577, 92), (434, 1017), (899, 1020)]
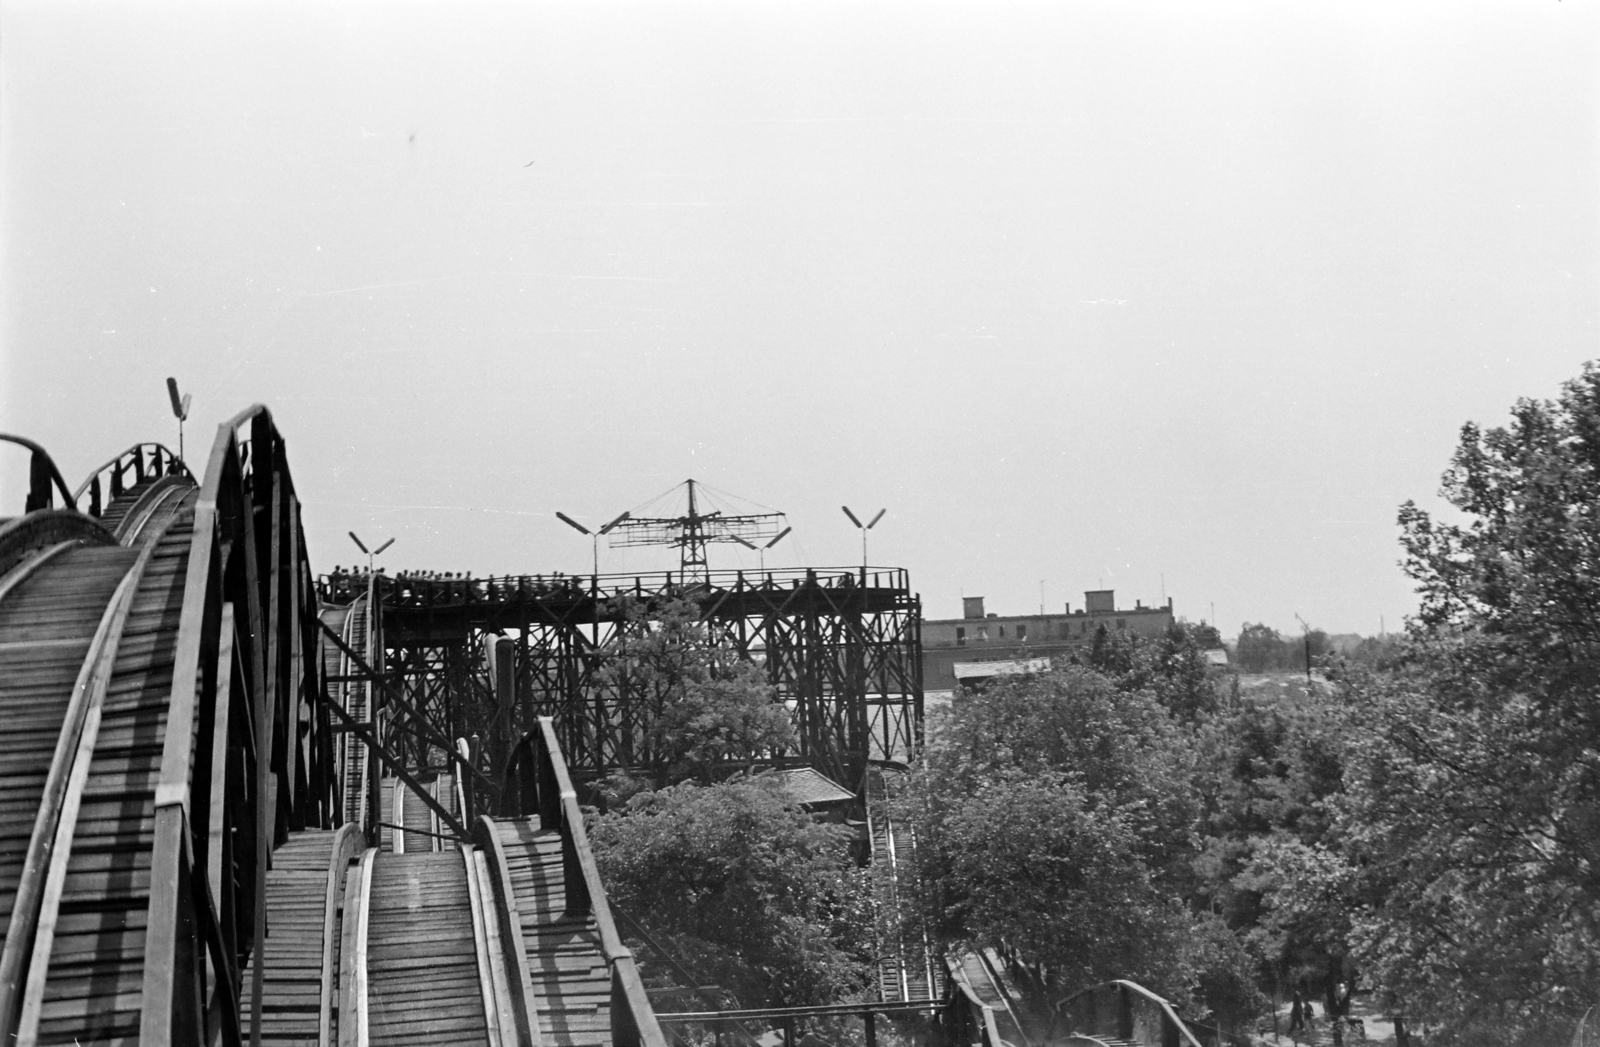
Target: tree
[(745, 886), (1471, 811), (1056, 815), (1173, 669), (694, 703), (1259, 649)]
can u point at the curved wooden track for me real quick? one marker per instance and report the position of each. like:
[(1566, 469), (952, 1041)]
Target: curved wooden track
[(305, 922), (186, 841), (153, 661), (353, 768)]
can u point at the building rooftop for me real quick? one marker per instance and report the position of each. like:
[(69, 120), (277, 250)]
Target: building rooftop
[(1096, 603), (811, 787)]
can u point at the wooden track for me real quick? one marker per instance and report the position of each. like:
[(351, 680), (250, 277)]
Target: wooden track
[(907, 969), (353, 624), (46, 622), (423, 978), (184, 833), (157, 740), (424, 832), (300, 962), (571, 980), (86, 956)]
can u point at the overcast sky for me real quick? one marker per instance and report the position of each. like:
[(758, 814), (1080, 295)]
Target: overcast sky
[(1162, 297)]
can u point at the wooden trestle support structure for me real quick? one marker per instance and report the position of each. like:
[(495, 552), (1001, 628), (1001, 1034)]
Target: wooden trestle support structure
[(841, 646), (194, 777)]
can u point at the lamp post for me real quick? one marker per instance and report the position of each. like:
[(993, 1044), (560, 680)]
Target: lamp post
[(594, 579), (761, 550), (371, 553), (865, 527), (180, 411), (594, 536)]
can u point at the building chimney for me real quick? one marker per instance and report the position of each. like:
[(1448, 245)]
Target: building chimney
[(972, 607)]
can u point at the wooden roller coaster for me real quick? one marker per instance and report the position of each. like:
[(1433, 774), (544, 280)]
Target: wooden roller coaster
[(203, 838), (206, 835)]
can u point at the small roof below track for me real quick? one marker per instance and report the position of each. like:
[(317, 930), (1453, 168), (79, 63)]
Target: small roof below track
[(811, 787)]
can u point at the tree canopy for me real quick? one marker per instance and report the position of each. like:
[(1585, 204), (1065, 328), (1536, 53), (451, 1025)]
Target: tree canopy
[(1464, 852), (745, 887), (694, 704), (1057, 814)]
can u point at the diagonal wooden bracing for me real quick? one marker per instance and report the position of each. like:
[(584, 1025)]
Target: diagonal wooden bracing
[(842, 649)]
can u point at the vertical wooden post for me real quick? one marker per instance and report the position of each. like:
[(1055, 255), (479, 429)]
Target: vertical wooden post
[(293, 698), (215, 829)]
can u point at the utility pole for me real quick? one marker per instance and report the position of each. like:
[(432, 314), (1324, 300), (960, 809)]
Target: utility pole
[(1307, 630)]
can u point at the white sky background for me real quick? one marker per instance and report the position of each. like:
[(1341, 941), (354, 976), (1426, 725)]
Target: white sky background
[(1088, 293)]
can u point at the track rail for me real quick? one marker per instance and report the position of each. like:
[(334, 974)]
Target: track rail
[(42, 476), (907, 968)]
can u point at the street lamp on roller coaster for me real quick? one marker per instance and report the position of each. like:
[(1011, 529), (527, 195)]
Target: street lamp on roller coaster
[(594, 536), (865, 527), (762, 549), (371, 553)]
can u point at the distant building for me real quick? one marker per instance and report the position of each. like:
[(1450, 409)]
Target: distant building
[(978, 645)]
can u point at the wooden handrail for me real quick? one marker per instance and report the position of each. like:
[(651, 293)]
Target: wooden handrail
[(42, 462), (498, 1014), (345, 844), (982, 1011), (1138, 990), (825, 1010), (246, 550), (122, 460), (353, 953)]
